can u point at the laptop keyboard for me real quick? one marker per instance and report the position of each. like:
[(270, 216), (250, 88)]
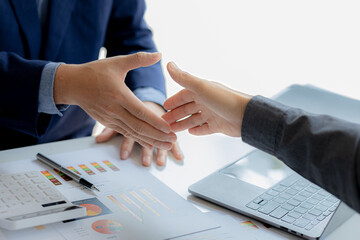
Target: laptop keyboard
[(296, 201)]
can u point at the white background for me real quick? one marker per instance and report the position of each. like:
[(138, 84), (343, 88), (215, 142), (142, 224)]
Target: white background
[(261, 46)]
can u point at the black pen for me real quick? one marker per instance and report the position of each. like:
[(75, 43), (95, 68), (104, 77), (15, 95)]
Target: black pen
[(66, 171)]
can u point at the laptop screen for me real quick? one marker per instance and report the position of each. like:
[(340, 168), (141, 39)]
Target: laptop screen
[(258, 168)]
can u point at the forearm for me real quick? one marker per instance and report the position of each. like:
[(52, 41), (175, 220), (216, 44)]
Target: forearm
[(321, 148)]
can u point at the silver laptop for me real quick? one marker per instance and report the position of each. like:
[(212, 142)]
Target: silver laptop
[(262, 187)]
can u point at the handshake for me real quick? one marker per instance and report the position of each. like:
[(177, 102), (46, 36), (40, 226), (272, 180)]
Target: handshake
[(203, 107)]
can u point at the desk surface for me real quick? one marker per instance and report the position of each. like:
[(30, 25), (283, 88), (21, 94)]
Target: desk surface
[(203, 155)]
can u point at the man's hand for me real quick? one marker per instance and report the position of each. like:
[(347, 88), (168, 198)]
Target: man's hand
[(147, 153), (99, 89), (209, 106)]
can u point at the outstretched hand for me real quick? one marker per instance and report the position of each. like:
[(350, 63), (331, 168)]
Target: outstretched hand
[(98, 87), (147, 153), (204, 107)]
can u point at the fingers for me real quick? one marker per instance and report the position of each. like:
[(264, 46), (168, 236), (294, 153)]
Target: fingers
[(147, 156), (183, 78), (190, 122), (181, 112), (138, 134), (179, 99), (176, 151), (139, 110), (119, 127), (204, 129), (125, 134), (140, 131), (139, 59), (126, 148), (161, 156), (105, 135), (140, 128), (147, 153)]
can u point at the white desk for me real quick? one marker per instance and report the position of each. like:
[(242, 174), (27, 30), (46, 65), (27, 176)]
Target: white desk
[(203, 155)]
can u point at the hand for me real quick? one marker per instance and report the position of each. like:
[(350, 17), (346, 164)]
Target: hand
[(147, 154), (209, 106), (99, 89)]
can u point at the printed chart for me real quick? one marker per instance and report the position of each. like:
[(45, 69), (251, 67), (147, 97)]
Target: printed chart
[(86, 169), (139, 202), (51, 178), (111, 166), (98, 167), (93, 207), (61, 174), (105, 226), (71, 168), (130, 205), (248, 224), (83, 167)]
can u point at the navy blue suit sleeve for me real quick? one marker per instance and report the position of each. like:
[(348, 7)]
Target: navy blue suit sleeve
[(128, 33), (322, 148), (20, 79)]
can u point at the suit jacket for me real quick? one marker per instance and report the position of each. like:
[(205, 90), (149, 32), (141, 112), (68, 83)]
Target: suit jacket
[(324, 149), (74, 32)]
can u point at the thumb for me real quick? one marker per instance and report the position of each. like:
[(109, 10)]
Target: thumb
[(183, 78), (139, 59)]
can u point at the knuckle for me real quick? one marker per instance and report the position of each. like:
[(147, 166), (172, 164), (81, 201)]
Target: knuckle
[(139, 114), (139, 56), (184, 75), (138, 128), (134, 134), (183, 98), (155, 144), (115, 127), (193, 120), (190, 107), (184, 111), (127, 134)]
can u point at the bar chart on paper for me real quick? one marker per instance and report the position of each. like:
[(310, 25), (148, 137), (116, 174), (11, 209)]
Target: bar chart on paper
[(98, 167), (71, 168), (51, 177), (111, 166)]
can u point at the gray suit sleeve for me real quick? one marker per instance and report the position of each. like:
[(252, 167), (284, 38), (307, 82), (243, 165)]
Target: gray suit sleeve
[(323, 149)]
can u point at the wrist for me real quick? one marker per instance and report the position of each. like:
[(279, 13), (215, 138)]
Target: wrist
[(243, 100), (158, 109), (65, 84)]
